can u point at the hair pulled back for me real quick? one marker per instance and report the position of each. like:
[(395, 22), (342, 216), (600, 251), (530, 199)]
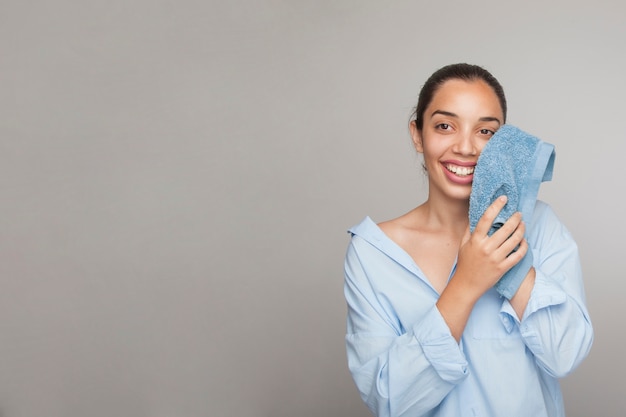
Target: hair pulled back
[(461, 71)]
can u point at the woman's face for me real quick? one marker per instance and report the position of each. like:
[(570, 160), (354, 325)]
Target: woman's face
[(458, 122)]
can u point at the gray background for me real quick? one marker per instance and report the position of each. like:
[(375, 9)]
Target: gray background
[(177, 178)]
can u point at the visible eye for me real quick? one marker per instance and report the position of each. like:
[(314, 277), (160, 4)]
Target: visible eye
[(487, 132), (443, 126)]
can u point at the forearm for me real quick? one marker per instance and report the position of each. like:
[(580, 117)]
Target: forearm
[(455, 305), (520, 300)]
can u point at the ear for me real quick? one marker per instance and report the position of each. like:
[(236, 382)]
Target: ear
[(416, 135)]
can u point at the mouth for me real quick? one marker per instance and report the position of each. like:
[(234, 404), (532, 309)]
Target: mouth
[(460, 171)]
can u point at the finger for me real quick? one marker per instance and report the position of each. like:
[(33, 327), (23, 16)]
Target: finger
[(490, 214), (508, 228), (513, 242), (515, 257)]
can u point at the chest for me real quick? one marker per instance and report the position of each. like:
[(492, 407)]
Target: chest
[(435, 256)]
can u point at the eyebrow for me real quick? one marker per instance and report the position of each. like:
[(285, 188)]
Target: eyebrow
[(450, 114)]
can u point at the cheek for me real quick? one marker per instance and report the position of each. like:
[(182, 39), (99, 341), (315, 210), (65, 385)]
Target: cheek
[(481, 145), (434, 148)]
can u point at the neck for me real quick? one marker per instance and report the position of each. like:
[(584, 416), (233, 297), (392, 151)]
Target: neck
[(447, 214)]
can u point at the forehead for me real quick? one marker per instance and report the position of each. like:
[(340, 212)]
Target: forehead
[(456, 95)]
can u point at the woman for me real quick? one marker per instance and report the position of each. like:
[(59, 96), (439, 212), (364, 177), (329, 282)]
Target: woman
[(427, 334)]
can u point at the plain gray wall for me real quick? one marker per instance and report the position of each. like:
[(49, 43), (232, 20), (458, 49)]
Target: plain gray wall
[(177, 178)]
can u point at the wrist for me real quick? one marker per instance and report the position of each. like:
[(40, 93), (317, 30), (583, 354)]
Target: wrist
[(463, 291)]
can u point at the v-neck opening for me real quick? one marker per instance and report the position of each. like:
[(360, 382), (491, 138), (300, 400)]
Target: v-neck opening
[(377, 237)]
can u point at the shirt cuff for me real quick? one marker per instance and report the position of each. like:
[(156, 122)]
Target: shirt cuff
[(545, 293), (440, 348)]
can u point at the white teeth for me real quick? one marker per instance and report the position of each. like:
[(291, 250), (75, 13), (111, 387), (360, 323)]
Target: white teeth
[(460, 171)]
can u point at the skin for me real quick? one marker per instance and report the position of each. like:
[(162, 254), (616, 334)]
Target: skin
[(458, 123)]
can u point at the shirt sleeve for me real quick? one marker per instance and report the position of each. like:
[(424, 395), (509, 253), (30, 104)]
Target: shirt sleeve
[(555, 326), (397, 371)]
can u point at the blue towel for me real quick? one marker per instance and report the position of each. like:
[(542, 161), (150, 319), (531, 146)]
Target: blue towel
[(513, 163)]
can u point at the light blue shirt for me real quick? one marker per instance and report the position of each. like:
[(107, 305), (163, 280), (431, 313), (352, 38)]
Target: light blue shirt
[(405, 361)]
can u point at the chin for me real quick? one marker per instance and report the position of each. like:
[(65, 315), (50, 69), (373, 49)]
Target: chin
[(461, 195)]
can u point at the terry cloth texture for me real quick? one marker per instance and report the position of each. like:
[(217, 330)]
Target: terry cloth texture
[(513, 163)]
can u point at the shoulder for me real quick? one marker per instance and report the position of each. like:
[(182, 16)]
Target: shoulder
[(393, 228), (542, 209), (370, 243), (365, 235), (365, 228), (546, 228), (544, 216), (402, 228), (370, 230)]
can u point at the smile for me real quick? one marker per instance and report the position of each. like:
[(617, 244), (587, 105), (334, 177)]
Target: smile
[(460, 171)]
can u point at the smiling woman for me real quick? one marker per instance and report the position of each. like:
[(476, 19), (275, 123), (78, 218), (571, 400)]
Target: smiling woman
[(427, 333)]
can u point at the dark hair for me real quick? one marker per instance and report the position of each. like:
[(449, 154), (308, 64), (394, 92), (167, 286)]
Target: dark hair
[(466, 72)]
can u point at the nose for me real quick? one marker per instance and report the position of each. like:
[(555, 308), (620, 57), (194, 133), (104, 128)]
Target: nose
[(466, 145)]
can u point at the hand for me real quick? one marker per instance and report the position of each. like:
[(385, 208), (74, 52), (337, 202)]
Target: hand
[(484, 259)]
